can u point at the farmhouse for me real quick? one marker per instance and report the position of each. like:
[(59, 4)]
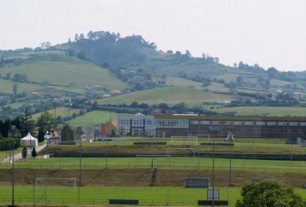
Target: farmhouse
[(167, 125)]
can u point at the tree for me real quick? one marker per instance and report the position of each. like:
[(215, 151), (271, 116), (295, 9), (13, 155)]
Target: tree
[(268, 194), (239, 80), (27, 123), (15, 88), (8, 75), (67, 134), (46, 122), (24, 152), (34, 153)]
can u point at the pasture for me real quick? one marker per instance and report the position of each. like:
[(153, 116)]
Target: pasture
[(263, 111), (169, 95), (68, 71)]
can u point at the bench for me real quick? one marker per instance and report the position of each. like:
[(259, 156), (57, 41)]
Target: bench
[(218, 143), (209, 202), (150, 143), (123, 201)]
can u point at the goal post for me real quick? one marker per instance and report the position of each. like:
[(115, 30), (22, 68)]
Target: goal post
[(65, 182), (201, 137), (185, 139)]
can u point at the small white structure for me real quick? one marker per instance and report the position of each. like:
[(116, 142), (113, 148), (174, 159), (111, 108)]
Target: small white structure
[(29, 141), (301, 142), (229, 137)]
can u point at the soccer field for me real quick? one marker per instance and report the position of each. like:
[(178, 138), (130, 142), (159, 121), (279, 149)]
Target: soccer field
[(148, 196), (189, 162)]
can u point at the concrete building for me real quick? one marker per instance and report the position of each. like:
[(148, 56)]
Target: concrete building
[(136, 125), (218, 126)]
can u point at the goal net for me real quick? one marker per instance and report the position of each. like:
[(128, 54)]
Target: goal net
[(190, 139), (64, 182), (201, 137)]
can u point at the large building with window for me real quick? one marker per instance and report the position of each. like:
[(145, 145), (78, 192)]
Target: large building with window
[(136, 125), (219, 126), (166, 125)]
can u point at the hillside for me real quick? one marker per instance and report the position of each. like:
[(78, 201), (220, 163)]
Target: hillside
[(102, 68), (64, 72)]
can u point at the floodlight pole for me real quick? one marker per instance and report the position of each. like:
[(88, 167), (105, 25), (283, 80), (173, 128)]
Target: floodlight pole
[(230, 168), (106, 163), (13, 176), (213, 175), (80, 173)]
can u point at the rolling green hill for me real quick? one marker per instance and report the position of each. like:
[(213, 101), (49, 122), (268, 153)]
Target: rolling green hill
[(192, 96), (104, 68), (71, 72)]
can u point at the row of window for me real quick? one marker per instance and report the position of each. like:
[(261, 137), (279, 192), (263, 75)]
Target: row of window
[(177, 123), (248, 123), (127, 131), (184, 123), (135, 122)]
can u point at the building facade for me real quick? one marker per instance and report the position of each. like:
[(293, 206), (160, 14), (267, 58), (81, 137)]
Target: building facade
[(166, 125), (136, 125), (219, 126)]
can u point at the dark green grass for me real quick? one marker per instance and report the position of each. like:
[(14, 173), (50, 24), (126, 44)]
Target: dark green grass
[(144, 161), (99, 195), (174, 196)]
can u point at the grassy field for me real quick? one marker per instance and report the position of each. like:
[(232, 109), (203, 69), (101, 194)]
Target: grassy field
[(71, 71), (145, 161), (93, 118), (147, 196), (107, 169), (170, 95), (262, 111), (172, 81), (156, 196), (7, 87)]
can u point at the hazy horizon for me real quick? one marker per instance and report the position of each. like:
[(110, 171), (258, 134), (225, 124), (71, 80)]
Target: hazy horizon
[(268, 33)]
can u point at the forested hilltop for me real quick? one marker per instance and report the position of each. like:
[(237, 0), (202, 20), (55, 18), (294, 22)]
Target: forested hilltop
[(102, 70)]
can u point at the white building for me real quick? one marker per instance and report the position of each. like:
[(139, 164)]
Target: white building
[(136, 125)]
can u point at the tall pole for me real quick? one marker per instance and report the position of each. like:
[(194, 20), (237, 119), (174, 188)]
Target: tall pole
[(230, 168), (80, 173), (13, 176), (213, 176)]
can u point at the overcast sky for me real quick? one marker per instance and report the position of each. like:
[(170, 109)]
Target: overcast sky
[(271, 33)]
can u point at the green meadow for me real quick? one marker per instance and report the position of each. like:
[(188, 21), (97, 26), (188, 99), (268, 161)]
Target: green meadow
[(68, 71), (190, 95), (262, 111)]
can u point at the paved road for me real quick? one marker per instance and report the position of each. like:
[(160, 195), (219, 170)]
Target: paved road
[(18, 156)]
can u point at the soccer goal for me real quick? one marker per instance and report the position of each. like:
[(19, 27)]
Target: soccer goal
[(64, 182), (201, 137), (190, 139)]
